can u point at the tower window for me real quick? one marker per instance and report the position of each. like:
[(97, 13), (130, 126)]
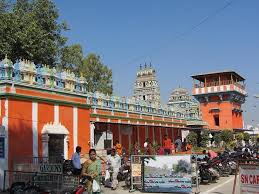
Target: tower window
[(144, 97), (216, 120), (144, 84)]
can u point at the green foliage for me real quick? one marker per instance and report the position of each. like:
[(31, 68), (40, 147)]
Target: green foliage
[(29, 30), (98, 75), (217, 138), (192, 138), (226, 136), (239, 136), (72, 58), (205, 138), (246, 137)]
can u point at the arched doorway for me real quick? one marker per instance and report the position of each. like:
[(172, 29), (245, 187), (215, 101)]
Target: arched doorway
[(55, 141)]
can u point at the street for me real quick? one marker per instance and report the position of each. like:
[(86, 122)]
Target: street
[(223, 186)]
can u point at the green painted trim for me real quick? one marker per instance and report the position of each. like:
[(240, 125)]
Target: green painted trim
[(43, 100), (132, 119)]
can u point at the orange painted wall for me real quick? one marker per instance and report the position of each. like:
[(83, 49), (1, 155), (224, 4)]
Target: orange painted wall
[(19, 130), (45, 115), (227, 119), (83, 129), (66, 119)]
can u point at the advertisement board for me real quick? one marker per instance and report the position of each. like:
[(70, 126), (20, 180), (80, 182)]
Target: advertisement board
[(249, 178), (168, 174)]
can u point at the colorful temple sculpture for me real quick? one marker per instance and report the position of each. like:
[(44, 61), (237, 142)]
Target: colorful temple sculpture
[(183, 104), (146, 86), (221, 95), (45, 113)]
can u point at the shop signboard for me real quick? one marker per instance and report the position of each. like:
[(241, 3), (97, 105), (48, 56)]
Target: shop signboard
[(168, 174), (136, 170), (51, 168), (249, 178)]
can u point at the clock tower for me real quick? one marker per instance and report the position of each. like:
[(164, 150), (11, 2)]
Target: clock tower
[(146, 86)]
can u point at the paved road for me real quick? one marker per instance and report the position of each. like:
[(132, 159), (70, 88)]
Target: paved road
[(223, 186)]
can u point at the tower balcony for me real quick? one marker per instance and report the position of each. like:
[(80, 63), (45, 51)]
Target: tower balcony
[(217, 87)]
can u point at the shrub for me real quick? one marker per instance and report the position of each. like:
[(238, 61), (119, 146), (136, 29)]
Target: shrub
[(246, 137), (205, 137), (226, 136), (217, 139), (192, 138)]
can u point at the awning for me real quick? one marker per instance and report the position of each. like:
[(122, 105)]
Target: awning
[(54, 128)]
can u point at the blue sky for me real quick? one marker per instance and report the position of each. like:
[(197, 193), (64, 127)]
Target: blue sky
[(172, 36)]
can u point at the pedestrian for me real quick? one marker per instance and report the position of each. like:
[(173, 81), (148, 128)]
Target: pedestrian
[(135, 150), (76, 161), (160, 150), (92, 171), (114, 160), (167, 145), (179, 143)]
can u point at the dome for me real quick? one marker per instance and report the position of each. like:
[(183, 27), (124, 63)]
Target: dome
[(179, 94)]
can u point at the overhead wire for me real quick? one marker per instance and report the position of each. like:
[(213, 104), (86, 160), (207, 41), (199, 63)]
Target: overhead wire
[(191, 29)]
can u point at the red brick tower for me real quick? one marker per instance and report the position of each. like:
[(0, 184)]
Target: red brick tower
[(221, 95)]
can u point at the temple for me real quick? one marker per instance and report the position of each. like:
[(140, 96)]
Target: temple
[(45, 113)]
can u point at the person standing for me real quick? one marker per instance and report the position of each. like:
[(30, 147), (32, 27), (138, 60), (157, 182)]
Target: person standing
[(92, 171), (167, 143), (114, 161), (76, 161), (178, 142)]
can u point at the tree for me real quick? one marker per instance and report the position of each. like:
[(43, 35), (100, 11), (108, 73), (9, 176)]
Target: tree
[(217, 139), (98, 75), (192, 138), (246, 137), (72, 58), (226, 136), (205, 137), (29, 30)]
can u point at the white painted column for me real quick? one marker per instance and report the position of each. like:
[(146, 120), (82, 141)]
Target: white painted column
[(4, 161), (66, 147), (56, 114), (92, 143), (75, 127), (45, 145), (35, 128)]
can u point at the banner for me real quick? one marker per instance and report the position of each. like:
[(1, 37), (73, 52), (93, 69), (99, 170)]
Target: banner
[(168, 174), (249, 178)]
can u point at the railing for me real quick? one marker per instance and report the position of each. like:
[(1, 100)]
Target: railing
[(219, 83)]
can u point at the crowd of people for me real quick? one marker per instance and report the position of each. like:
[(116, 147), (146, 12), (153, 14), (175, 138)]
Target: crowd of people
[(91, 168), (167, 148)]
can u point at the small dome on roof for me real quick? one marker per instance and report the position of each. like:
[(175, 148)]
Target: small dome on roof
[(179, 94), (6, 61)]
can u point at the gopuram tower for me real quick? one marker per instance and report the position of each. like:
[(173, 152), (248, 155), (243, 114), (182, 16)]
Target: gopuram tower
[(146, 85)]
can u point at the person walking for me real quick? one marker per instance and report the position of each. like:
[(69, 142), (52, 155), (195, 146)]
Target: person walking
[(92, 170), (114, 160), (76, 161)]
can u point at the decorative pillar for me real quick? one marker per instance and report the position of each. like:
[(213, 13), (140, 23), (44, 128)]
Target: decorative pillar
[(45, 145), (92, 127), (66, 142)]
